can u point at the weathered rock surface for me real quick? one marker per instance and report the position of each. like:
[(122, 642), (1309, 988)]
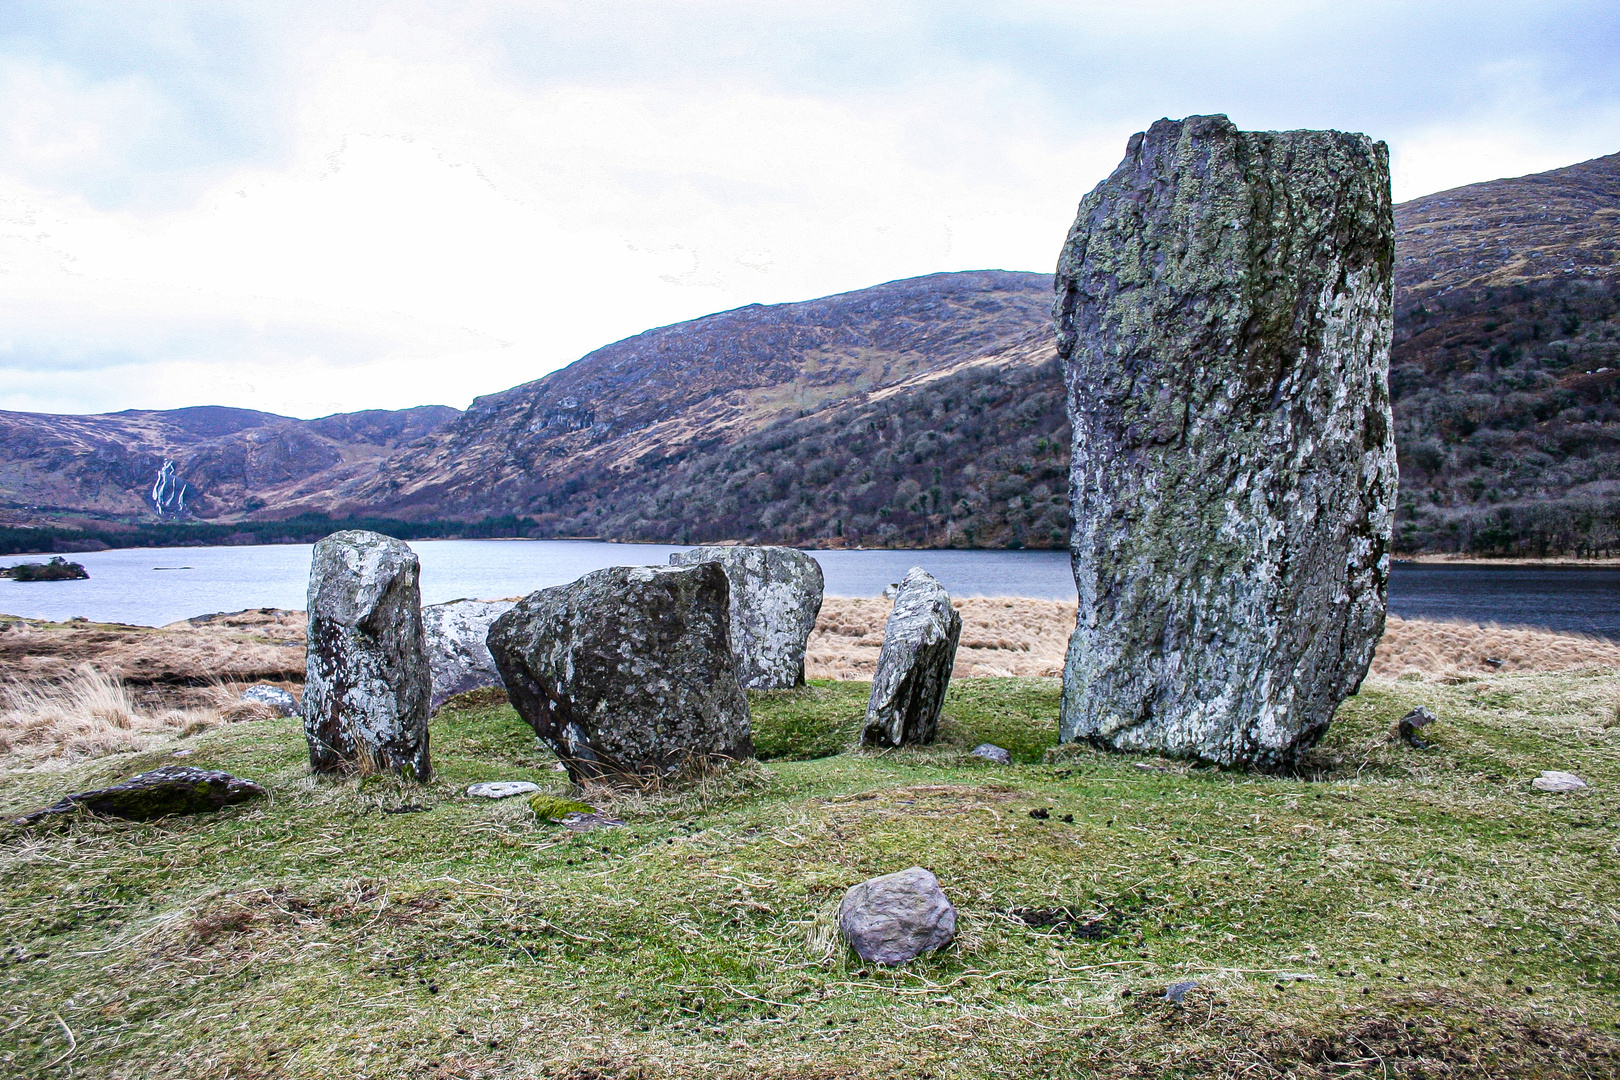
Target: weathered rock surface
[(367, 682), (502, 789), (775, 597), (897, 917), (992, 752), (457, 651), (173, 789), (273, 696), (914, 665), (1224, 315), (1557, 781), (1413, 722), (627, 673)]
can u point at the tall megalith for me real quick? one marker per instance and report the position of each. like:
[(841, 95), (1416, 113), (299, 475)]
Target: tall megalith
[(367, 679), (1223, 315)]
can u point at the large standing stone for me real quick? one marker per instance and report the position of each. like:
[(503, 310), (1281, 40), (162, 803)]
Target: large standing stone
[(897, 917), (627, 673), (367, 683), (457, 652), (775, 598), (1224, 317), (914, 665)]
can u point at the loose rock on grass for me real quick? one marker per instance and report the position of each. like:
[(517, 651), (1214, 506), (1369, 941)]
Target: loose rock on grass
[(173, 789), (1558, 782), (897, 917)]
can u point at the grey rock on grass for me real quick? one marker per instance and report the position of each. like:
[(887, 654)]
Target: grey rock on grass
[(1557, 781), (502, 789), (458, 654), (173, 789), (775, 597), (1223, 315), (367, 682), (992, 752), (273, 696), (627, 673), (914, 665), (897, 917)]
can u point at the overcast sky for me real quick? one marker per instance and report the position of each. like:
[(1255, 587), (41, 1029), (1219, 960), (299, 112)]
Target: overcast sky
[(318, 207)]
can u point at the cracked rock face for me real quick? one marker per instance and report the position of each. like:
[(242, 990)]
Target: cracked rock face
[(367, 682), (457, 653), (914, 665), (1224, 316), (775, 598), (627, 673)]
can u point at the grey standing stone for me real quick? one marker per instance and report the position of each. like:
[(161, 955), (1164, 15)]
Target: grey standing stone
[(367, 683), (457, 653), (914, 665), (1224, 317), (173, 789), (775, 598), (897, 917), (627, 673), (273, 696)]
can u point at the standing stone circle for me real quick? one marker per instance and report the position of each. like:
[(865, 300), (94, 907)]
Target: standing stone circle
[(1223, 316), (914, 665), (458, 655), (627, 673), (775, 598), (367, 682)]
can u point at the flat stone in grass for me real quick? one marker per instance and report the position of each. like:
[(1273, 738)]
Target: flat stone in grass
[(897, 917), (273, 696), (1557, 782), (501, 789), (627, 673), (458, 654), (367, 682), (992, 752), (173, 789), (775, 597), (1223, 316), (914, 665)]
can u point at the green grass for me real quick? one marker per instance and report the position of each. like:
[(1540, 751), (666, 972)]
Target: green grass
[(1362, 917)]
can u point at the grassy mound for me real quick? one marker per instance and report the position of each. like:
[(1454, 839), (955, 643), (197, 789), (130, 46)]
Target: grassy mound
[(1386, 912)]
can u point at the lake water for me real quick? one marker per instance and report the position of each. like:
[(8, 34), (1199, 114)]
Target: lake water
[(153, 586)]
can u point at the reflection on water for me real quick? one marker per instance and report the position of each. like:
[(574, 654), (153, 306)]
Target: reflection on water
[(153, 586)]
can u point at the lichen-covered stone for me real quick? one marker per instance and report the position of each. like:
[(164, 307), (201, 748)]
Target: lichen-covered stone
[(627, 673), (458, 654), (367, 682), (273, 696), (914, 665), (174, 789), (775, 598), (1224, 316), (897, 917)]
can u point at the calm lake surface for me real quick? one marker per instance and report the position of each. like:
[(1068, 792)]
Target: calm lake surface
[(153, 586)]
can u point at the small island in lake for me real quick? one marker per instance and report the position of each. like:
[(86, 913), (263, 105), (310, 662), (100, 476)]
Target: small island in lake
[(58, 569)]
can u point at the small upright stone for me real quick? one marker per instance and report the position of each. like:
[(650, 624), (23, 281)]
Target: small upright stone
[(897, 917), (914, 665), (367, 682), (627, 673), (775, 598), (1223, 317), (458, 654)]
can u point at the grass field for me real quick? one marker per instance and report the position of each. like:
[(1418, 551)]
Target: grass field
[(1386, 912)]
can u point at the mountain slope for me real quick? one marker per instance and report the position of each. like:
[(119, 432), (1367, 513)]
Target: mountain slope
[(205, 462), (665, 393)]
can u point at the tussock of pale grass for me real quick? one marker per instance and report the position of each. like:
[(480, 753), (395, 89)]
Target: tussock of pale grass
[(1004, 636), (89, 715)]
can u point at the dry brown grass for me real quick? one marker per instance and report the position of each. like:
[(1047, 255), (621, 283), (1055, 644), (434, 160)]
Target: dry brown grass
[(1011, 636), (88, 715)]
